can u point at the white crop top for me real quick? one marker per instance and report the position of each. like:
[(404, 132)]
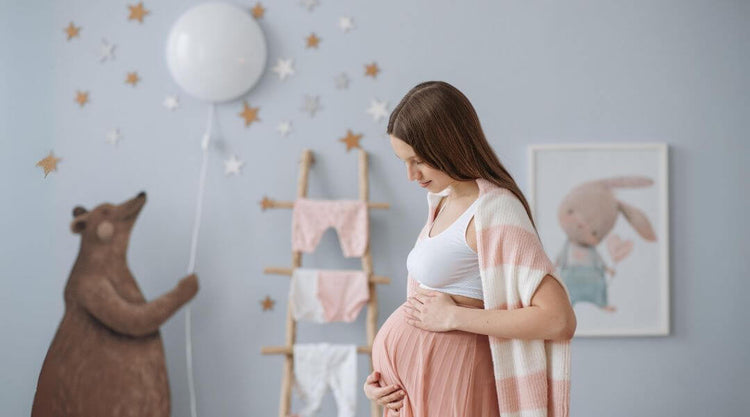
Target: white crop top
[(445, 262)]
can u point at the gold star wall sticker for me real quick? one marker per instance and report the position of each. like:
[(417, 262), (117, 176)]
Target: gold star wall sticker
[(72, 31), (372, 70), (132, 78), (266, 203), (49, 163), (313, 41), (250, 114), (82, 97), (138, 12), (258, 11), (351, 140), (267, 303)]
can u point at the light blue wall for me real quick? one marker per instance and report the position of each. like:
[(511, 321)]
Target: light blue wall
[(539, 72), (30, 286)]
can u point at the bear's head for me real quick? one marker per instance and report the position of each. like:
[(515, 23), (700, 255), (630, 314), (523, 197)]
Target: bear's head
[(108, 224)]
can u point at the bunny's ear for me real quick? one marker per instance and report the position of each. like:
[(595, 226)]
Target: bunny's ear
[(638, 220), (630, 181)]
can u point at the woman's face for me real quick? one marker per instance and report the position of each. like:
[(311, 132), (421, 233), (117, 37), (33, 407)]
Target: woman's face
[(428, 177)]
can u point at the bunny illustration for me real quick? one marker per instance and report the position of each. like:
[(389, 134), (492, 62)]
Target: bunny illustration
[(587, 214)]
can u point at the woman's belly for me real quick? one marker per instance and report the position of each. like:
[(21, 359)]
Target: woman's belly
[(456, 364), (464, 301)]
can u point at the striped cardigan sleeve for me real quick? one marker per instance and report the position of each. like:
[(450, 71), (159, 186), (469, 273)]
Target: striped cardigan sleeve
[(509, 246), (532, 376)]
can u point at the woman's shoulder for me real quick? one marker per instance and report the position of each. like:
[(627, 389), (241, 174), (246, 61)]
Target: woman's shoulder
[(500, 198), (501, 206)]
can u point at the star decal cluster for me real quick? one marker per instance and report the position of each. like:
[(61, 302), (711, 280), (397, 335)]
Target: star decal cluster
[(283, 70), (287, 70)]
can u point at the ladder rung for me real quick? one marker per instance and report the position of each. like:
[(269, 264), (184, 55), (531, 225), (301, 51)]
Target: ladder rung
[(285, 350), (376, 279), (268, 203)]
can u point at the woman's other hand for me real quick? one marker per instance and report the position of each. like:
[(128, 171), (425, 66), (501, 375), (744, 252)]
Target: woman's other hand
[(390, 396), (431, 310)]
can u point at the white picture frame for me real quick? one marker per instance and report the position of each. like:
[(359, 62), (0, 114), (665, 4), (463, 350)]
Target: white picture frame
[(573, 191)]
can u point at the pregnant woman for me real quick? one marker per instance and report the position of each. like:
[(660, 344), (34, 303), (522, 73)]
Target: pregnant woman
[(486, 327)]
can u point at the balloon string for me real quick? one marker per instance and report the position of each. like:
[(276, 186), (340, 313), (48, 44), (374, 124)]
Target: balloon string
[(201, 188), (193, 249)]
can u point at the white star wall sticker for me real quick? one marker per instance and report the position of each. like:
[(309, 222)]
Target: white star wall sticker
[(346, 24), (378, 109), (106, 51), (284, 128), (309, 4), (283, 68), (232, 166), (342, 81), (171, 103), (312, 105), (113, 136)]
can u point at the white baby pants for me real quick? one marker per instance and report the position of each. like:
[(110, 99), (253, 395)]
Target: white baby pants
[(318, 366)]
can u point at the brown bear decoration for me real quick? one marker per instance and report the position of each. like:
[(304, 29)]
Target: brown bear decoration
[(107, 357)]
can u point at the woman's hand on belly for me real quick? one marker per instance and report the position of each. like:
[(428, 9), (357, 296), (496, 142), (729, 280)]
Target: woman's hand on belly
[(391, 397), (431, 310)]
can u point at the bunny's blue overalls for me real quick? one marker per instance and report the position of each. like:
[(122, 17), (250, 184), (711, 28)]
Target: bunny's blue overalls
[(584, 278)]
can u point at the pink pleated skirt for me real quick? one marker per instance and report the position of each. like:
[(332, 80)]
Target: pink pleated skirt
[(444, 374)]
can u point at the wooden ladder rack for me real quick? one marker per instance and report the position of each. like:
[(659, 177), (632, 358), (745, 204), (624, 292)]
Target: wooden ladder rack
[(372, 304)]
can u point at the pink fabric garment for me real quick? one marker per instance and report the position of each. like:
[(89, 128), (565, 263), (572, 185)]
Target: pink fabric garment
[(342, 293), (445, 374), (311, 218)]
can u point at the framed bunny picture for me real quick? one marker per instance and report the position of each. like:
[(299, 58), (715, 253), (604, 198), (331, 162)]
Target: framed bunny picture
[(601, 211)]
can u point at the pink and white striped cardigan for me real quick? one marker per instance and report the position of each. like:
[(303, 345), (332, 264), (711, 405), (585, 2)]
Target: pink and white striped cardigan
[(532, 376)]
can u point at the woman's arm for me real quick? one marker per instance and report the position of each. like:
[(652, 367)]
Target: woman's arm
[(550, 316)]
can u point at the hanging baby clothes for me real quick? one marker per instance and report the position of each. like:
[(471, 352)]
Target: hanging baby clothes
[(324, 296), (318, 366), (311, 218)]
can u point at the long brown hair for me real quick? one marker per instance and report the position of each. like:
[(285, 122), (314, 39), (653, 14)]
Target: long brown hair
[(442, 127)]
